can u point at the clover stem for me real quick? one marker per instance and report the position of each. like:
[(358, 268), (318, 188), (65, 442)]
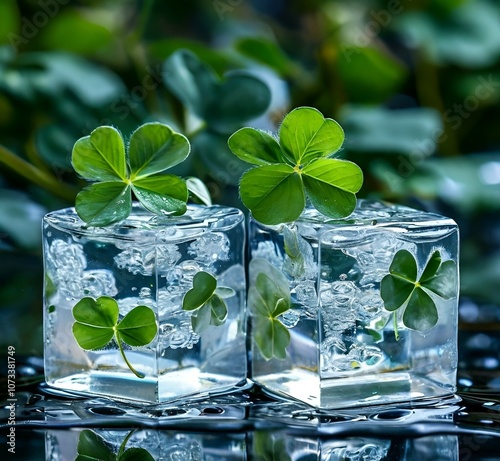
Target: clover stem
[(395, 324), (132, 369), (123, 444)]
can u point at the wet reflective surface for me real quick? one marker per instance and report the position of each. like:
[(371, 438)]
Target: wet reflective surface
[(248, 425)]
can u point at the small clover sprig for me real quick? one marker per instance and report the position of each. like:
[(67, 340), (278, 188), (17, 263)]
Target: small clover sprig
[(403, 289), (268, 298), (96, 324), (206, 299), (116, 171), (296, 167)]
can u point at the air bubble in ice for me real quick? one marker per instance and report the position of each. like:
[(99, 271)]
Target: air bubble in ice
[(177, 332), (210, 247), (182, 274), (99, 282), (136, 260), (145, 292), (167, 257), (290, 318), (66, 258), (267, 250)]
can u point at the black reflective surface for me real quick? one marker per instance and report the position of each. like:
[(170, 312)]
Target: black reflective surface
[(246, 425)]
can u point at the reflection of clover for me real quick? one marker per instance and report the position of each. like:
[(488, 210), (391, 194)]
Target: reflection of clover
[(268, 298), (206, 299), (115, 172), (96, 324), (92, 447), (275, 190), (400, 289)]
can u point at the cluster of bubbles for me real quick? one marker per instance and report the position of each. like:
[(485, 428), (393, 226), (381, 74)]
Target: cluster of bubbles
[(67, 267)]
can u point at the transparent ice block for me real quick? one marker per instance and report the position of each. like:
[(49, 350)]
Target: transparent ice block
[(149, 261), (346, 349)]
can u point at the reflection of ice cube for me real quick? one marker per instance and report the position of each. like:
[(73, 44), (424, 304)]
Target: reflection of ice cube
[(362, 449), (210, 247)]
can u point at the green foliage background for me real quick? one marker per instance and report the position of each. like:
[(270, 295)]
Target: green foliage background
[(414, 83)]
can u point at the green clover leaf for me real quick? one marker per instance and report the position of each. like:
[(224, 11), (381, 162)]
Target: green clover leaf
[(92, 447), (402, 289), (206, 300), (268, 298), (97, 323), (296, 167), (117, 171)]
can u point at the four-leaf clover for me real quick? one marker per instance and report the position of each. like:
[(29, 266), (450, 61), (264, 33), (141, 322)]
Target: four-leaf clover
[(96, 324), (206, 299), (268, 298), (116, 171), (402, 289), (298, 166)]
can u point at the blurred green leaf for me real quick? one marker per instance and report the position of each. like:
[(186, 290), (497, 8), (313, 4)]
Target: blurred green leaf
[(379, 130), (54, 143), (468, 36), (368, 74), (469, 184), (93, 84), (218, 161), (223, 104), (86, 36), (218, 60), (20, 219), (479, 278), (266, 52), (9, 24)]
